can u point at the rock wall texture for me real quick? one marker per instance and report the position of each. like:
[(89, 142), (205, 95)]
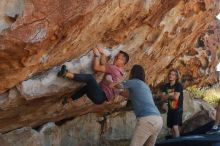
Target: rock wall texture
[(94, 130), (42, 34), (37, 36)]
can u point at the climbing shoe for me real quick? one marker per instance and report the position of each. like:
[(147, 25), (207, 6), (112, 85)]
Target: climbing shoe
[(63, 71)]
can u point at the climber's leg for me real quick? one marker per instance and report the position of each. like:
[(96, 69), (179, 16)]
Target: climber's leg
[(93, 90), (80, 93)]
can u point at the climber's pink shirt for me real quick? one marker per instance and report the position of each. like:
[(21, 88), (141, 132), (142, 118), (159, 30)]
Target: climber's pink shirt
[(116, 73)]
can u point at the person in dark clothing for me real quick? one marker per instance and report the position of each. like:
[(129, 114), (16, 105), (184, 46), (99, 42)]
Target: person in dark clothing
[(173, 93), (103, 91)]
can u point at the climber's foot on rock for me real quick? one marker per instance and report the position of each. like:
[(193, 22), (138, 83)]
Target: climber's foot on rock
[(62, 72)]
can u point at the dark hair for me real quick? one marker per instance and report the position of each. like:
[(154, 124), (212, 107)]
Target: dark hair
[(125, 55), (177, 74), (137, 72)]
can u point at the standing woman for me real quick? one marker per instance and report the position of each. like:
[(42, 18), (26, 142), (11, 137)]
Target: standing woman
[(149, 121), (173, 92)]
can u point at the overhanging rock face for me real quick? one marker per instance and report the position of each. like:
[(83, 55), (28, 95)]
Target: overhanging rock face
[(38, 36), (49, 84)]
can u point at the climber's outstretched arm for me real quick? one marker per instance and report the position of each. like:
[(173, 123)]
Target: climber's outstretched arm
[(97, 66), (104, 58)]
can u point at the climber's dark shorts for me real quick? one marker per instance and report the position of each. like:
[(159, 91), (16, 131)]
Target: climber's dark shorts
[(174, 117)]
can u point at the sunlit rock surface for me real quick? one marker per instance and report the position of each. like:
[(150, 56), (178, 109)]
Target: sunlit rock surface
[(38, 36)]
